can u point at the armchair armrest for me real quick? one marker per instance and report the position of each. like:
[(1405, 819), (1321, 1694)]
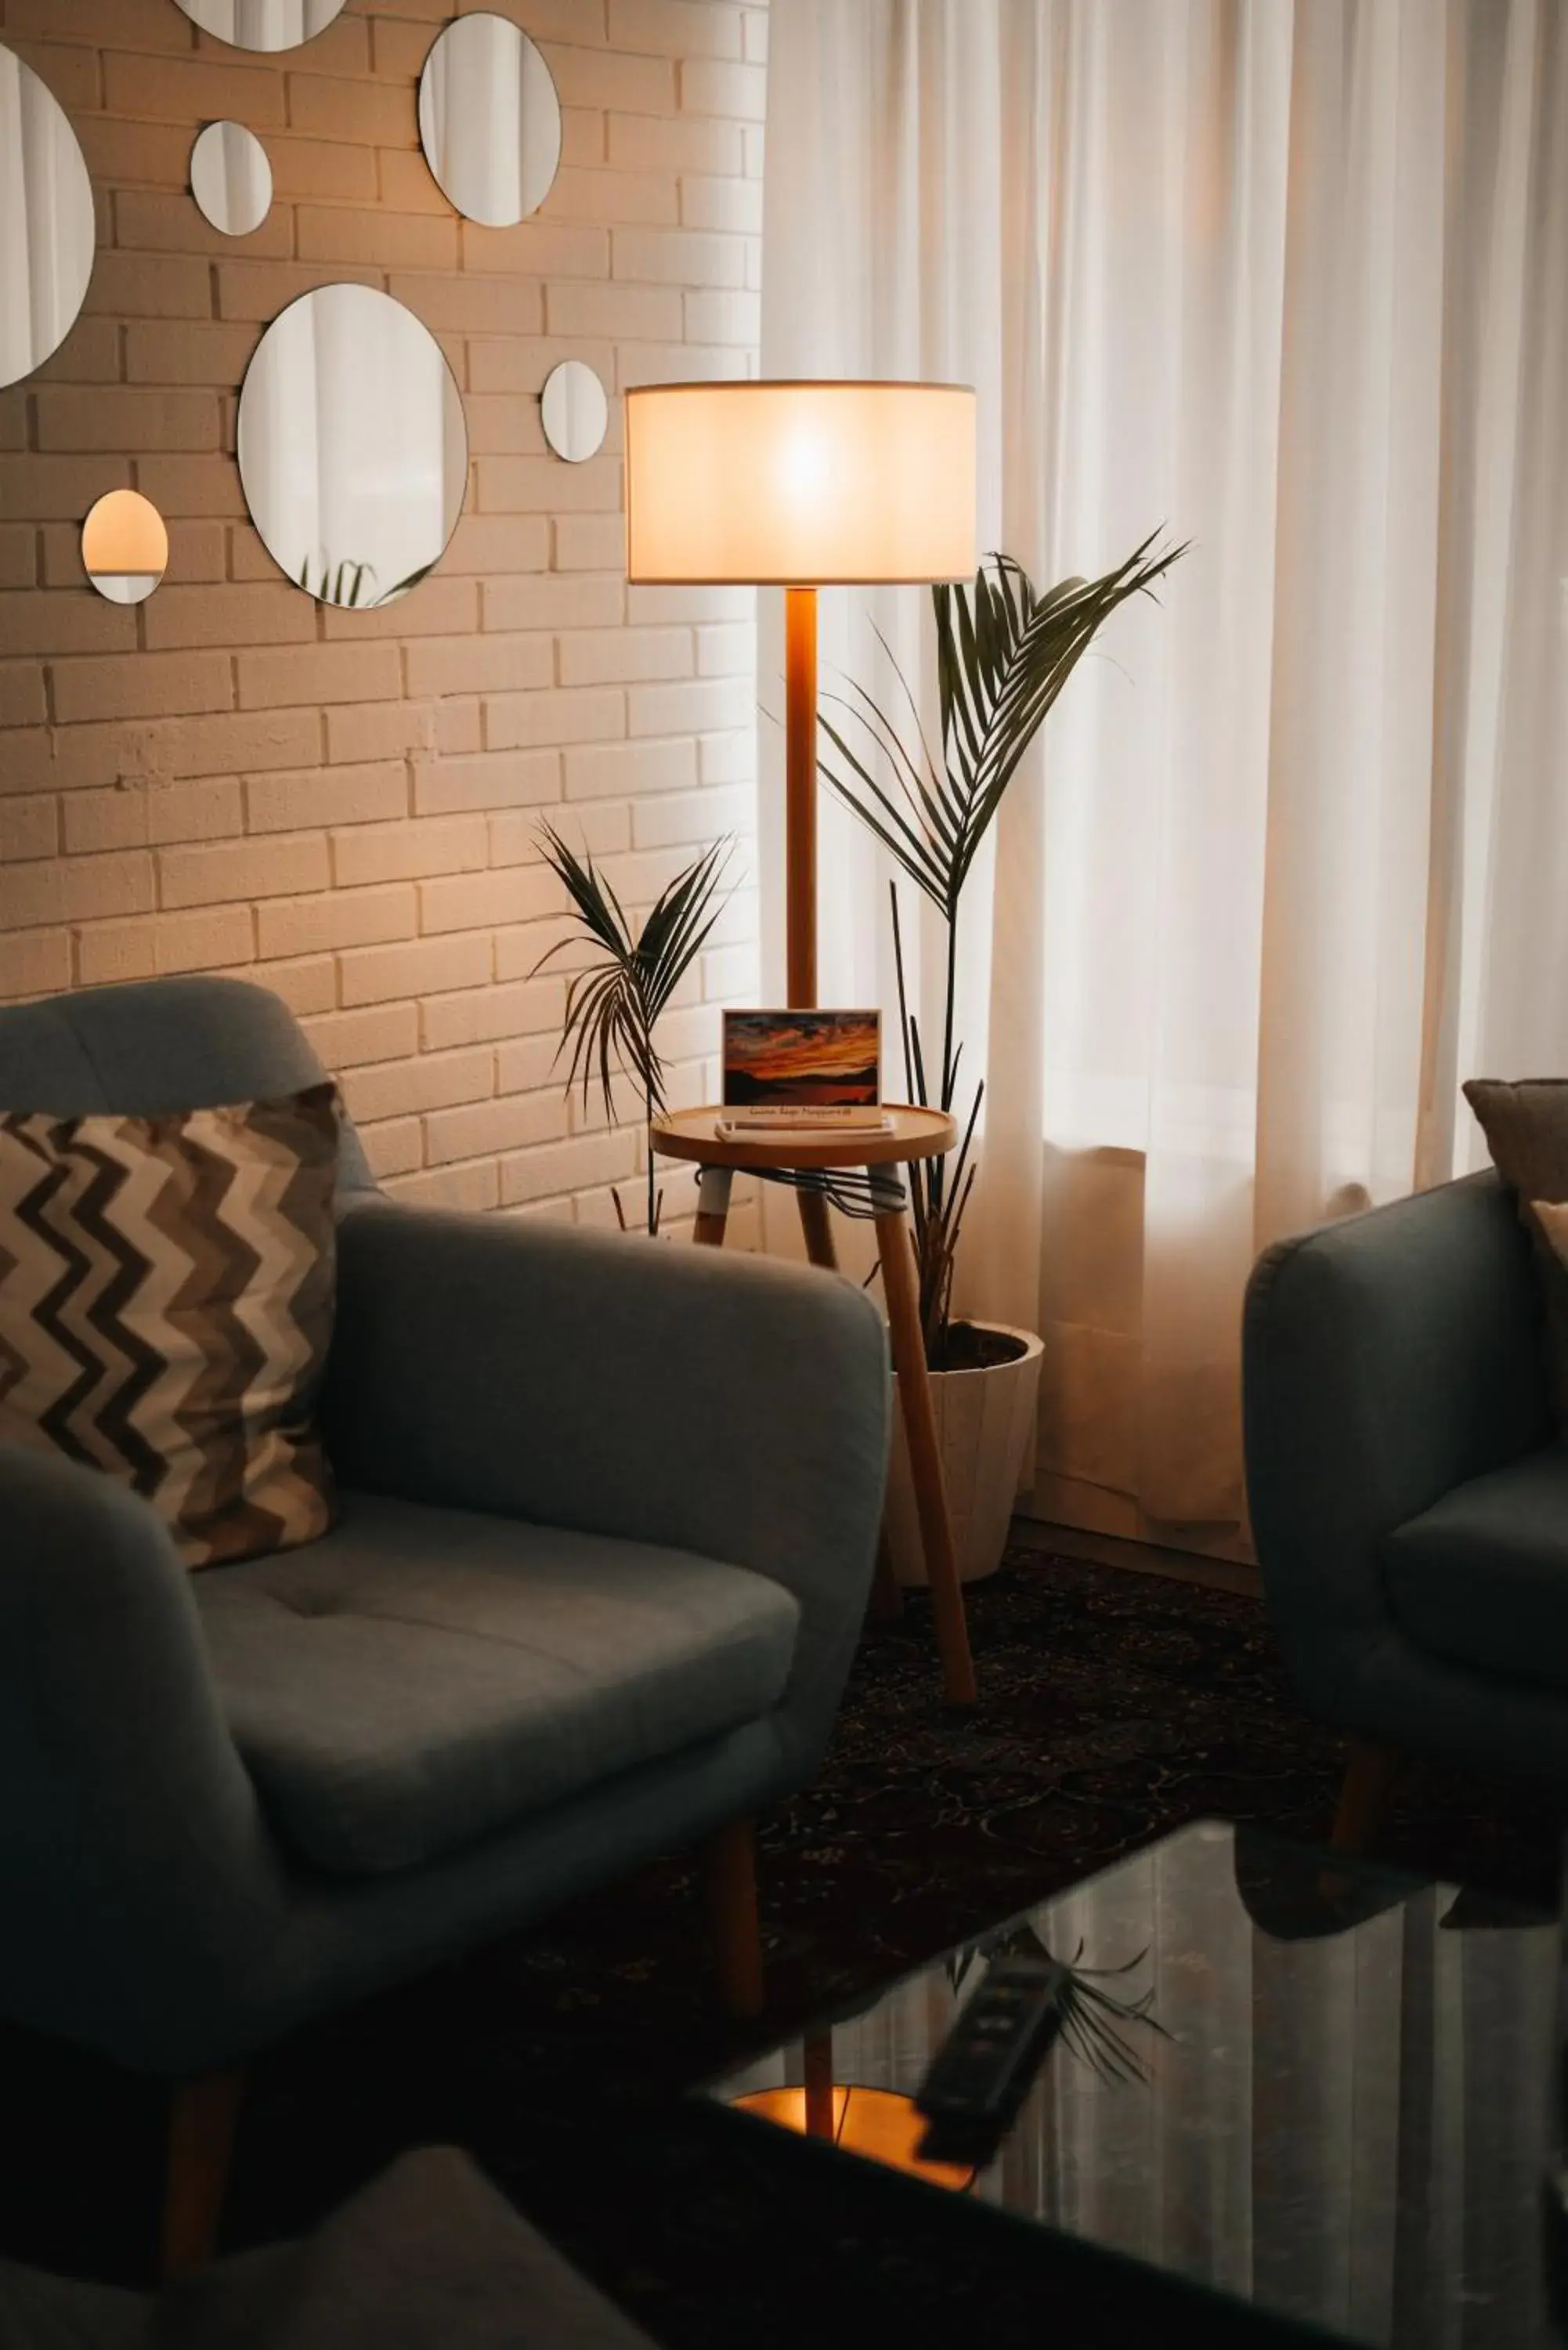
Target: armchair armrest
[(136, 1870), (1384, 1360), (714, 1402)]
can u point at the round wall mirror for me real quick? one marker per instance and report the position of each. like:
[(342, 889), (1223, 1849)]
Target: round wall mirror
[(125, 546), (48, 234), (353, 448), (490, 121), (231, 178), (575, 410), (263, 23)]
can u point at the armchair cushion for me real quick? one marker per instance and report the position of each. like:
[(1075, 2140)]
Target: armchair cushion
[(1482, 1577), (166, 1295), (423, 1676)]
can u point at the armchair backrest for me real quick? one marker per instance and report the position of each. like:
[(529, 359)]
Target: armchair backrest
[(162, 1045)]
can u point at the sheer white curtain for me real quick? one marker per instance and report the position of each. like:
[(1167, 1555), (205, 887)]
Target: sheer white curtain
[(1289, 278)]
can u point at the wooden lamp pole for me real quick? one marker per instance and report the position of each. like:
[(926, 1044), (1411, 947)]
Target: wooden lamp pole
[(799, 795)]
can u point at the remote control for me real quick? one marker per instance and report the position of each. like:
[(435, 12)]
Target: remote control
[(981, 2075)]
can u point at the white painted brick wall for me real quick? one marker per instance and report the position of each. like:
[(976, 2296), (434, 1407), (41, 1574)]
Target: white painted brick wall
[(342, 806)]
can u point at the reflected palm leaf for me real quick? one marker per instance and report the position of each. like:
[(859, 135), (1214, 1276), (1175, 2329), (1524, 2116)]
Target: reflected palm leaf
[(1094, 2021)]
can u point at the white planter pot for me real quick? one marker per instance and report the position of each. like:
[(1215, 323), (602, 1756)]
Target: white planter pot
[(984, 1418)]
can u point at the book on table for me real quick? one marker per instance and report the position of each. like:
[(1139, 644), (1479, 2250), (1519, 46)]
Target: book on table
[(761, 1120)]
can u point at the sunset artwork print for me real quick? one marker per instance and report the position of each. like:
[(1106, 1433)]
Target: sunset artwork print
[(815, 1059)]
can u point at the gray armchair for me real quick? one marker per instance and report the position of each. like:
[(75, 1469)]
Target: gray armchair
[(1408, 1498), (610, 1517)]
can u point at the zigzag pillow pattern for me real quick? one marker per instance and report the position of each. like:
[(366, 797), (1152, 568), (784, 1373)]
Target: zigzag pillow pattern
[(167, 1288)]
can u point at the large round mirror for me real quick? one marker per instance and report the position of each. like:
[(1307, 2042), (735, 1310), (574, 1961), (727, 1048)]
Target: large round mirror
[(490, 121), (263, 23), (48, 235), (231, 178), (125, 546), (574, 410), (353, 448)]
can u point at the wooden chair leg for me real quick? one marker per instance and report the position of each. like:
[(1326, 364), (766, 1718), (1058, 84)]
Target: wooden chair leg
[(1364, 1797), (202, 2121), (886, 1604), (729, 1878)]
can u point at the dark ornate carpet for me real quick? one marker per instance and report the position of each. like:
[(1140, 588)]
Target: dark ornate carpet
[(1114, 1707)]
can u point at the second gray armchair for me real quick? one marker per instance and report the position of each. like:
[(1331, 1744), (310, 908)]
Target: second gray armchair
[(1409, 1495)]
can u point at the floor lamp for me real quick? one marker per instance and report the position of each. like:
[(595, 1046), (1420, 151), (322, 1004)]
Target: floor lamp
[(800, 485)]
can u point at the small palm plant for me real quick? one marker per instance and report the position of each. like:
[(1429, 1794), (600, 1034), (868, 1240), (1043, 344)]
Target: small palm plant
[(1004, 654), (613, 1004)]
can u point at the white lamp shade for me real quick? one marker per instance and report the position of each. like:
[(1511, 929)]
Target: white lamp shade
[(800, 485)]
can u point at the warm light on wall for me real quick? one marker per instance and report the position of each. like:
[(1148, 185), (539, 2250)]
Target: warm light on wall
[(800, 485), (125, 546), (125, 532)]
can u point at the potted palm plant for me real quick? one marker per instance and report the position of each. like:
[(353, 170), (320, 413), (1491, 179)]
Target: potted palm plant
[(1003, 655), (614, 1003)]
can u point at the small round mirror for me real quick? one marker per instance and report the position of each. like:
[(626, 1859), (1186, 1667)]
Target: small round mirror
[(125, 546), (575, 410), (231, 178), (490, 121), (48, 234), (263, 23), (352, 444)]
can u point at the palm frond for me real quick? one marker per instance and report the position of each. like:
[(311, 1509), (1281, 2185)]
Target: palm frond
[(1004, 656), (614, 1001), (1004, 653)]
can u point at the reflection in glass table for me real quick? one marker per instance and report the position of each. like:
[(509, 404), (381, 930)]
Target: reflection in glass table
[(1342, 2117)]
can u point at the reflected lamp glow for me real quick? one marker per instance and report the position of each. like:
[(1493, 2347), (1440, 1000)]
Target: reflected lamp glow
[(802, 485), (881, 2124), (125, 546)]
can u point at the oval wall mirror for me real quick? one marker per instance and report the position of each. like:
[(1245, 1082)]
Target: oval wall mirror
[(125, 546), (575, 410), (231, 178), (48, 234), (490, 121), (353, 447), (263, 23)]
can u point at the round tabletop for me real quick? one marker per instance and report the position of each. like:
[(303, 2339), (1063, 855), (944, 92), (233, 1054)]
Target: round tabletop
[(694, 1134)]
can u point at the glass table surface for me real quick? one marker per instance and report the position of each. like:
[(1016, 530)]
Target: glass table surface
[(1334, 2103)]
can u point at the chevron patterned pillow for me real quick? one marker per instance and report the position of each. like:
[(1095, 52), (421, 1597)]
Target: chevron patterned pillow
[(167, 1287)]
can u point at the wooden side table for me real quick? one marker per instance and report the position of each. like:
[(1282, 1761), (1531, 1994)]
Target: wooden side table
[(692, 1135)]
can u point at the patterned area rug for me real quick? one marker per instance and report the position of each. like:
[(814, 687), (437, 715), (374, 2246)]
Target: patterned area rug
[(1114, 1707)]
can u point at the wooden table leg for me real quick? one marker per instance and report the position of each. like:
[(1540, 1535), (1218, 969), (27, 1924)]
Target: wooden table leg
[(713, 1187), (925, 1460), (887, 1599), (816, 1224), (886, 1592), (819, 2089)]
